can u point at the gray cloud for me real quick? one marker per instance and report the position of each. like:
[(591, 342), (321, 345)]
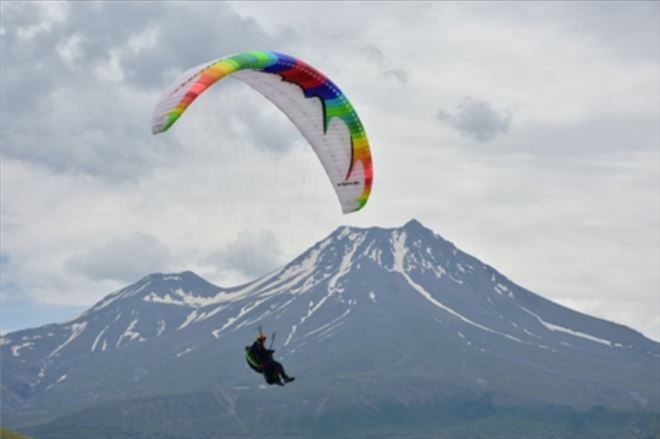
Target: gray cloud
[(100, 133), (374, 54), (386, 66), (124, 259), (251, 254), (477, 119), (595, 140), (9, 286), (78, 89), (148, 44), (399, 74), (628, 29)]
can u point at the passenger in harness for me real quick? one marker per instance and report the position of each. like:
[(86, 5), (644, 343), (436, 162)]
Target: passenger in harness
[(261, 360)]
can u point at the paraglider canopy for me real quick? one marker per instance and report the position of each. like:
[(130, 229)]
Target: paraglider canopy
[(317, 107)]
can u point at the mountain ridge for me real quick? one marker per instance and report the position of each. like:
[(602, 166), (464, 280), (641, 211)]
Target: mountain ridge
[(408, 308)]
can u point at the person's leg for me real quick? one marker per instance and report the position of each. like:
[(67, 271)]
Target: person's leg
[(272, 373), (282, 373)]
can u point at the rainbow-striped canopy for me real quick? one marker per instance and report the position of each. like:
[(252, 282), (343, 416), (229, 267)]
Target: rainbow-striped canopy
[(310, 100)]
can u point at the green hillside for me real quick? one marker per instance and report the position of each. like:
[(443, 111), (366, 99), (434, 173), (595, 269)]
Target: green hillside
[(8, 434)]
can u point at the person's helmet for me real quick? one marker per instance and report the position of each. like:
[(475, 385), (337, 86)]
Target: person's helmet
[(261, 337)]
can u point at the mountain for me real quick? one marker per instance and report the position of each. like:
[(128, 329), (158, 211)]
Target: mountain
[(380, 327)]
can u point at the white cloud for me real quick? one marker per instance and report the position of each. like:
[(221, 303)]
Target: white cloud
[(145, 40), (70, 49), (110, 70), (250, 255), (565, 204), (399, 74), (47, 16), (123, 258)]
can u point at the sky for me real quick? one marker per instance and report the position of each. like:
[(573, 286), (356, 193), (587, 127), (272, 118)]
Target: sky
[(526, 133)]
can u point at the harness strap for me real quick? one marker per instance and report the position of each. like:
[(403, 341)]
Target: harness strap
[(252, 361)]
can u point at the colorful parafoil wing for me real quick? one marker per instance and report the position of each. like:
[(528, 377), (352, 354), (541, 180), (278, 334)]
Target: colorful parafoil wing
[(310, 100)]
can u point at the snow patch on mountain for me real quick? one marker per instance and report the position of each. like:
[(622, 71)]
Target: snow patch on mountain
[(244, 311), (76, 330), (455, 280), (327, 327), (253, 321), (105, 302), (182, 298), (374, 253), (558, 328), (98, 337), (16, 349), (346, 263), (130, 334), (502, 289), (283, 285), (308, 264), (189, 319), (137, 290), (184, 352), (207, 315)]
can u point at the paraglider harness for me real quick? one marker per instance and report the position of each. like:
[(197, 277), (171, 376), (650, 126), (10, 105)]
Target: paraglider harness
[(252, 362), (255, 364)]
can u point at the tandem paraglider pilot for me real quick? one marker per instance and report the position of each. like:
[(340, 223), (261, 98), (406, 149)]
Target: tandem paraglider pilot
[(261, 360)]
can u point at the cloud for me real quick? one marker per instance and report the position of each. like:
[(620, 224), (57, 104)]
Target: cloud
[(100, 132), (386, 67), (477, 119), (626, 29), (251, 254), (629, 29), (125, 259), (46, 16), (78, 90), (81, 171), (71, 49), (399, 74), (10, 288)]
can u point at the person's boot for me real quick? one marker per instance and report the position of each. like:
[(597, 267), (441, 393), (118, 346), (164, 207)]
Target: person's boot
[(288, 379)]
